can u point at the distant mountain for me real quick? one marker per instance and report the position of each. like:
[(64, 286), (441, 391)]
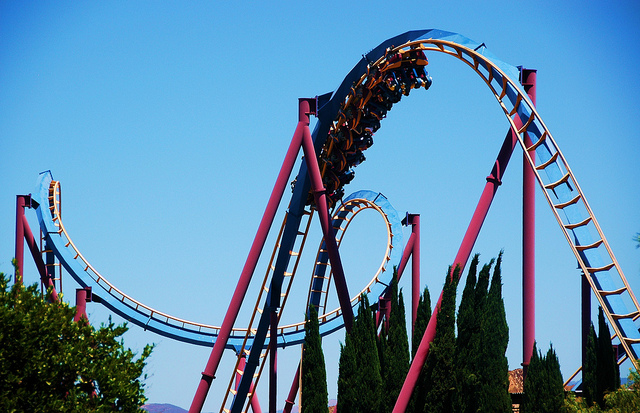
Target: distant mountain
[(170, 408), (163, 408)]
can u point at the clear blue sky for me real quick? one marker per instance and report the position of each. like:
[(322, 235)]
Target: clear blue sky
[(166, 123)]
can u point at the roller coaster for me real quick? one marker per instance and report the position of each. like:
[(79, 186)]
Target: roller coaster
[(347, 120)]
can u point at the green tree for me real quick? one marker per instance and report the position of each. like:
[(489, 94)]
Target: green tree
[(607, 370), (543, 386), (493, 367), (396, 351), (347, 367), (589, 371), (50, 363), (625, 399), (534, 384), (468, 333), (422, 320), (440, 377), (360, 379), (314, 376)]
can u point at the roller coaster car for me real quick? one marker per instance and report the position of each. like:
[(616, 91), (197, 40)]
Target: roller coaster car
[(392, 96), (368, 124), (330, 181), (355, 158), (343, 138), (346, 177), (417, 57), (364, 142)]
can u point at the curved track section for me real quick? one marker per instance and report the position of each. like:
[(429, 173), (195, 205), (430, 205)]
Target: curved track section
[(47, 196), (585, 237)]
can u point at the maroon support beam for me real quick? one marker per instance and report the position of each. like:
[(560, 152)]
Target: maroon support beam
[(528, 237), (83, 296), (586, 317), (21, 202), (273, 358), (493, 182), (37, 257), (247, 272), (415, 267), (291, 397)]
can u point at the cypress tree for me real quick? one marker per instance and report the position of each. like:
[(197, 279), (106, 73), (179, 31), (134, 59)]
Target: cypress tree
[(608, 373), (422, 320), (543, 387), (359, 376), (493, 367), (368, 383), (555, 392), (314, 377), (396, 351), (440, 374), (589, 370), (468, 329), (347, 396), (533, 384)]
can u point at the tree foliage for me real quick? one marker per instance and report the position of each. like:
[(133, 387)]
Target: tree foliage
[(50, 363), (396, 350), (360, 379), (422, 320), (468, 334), (493, 366), (315, 398), (440, 377), (607, 371), (543, 386), (589, 370)]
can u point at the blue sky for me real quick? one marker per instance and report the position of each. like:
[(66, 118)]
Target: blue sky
[(166, 124)]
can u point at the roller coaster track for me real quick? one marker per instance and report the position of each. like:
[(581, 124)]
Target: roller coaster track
[(47, 197), (347, 120)]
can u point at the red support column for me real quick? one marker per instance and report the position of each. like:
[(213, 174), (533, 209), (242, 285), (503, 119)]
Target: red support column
[(586, 317), (412, 249), (21, 202), (291, 398), (528, 237), (247, 272), (493, 182), (83, 296), (273, 358), (415, 268)]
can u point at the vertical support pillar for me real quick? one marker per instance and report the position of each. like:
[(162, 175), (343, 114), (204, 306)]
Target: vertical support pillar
[(83, 296), (415, 268), (19, 257), (528, 237), (273, 358), (586, 317)]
